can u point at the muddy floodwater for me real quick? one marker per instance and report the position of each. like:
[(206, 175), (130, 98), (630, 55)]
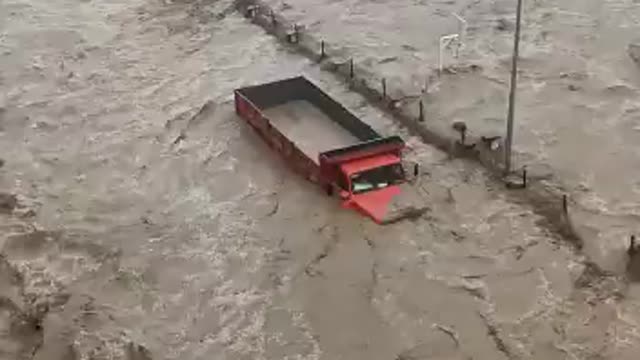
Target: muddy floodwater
[(578, 101), (150, 222)]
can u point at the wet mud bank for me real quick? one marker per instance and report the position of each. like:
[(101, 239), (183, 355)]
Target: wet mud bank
[(534, 186)]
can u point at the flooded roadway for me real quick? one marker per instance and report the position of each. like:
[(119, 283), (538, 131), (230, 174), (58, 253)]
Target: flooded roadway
[(159, 219), (577, 108)]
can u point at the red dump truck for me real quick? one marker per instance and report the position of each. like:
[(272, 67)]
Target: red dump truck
[(327, 144)]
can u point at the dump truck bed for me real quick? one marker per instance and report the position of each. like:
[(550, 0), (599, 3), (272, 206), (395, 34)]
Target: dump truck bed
[(309, 128), (300, 121)]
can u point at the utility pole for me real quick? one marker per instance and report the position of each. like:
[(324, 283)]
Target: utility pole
[(512, 91)]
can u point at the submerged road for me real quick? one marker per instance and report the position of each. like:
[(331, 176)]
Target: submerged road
[(577, 104), (153, 224)]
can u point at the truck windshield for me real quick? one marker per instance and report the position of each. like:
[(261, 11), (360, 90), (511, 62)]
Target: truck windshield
[(376, 178)]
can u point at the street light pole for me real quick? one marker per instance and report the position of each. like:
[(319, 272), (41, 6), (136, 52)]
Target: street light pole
[(512, 91)]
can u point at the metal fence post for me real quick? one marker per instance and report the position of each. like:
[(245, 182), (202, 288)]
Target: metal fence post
[(351, 68), (512, 91), (384, 88)]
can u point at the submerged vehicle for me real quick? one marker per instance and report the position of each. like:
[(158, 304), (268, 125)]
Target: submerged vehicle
[(330, 146)]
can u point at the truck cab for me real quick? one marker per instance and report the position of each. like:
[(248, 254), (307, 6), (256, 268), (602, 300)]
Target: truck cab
[(372, 183), (368, 178)]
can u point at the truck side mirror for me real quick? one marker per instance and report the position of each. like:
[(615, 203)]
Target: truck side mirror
[(416, 169)]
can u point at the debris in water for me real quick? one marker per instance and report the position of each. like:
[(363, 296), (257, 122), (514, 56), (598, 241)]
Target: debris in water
[(180, 138), (275, 208), (286, 6), (492, 331), (29, 213), (504, 25), (452, 333), (388, 60), (8, 202), (137, 352)]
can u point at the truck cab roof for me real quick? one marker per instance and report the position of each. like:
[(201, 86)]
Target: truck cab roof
[(363, 164)]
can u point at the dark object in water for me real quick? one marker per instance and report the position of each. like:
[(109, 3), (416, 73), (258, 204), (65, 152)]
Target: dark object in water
[(504, 25), (634, 51), (633, 248), (8, 202)]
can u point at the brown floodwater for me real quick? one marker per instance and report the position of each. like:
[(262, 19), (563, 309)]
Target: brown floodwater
[(153, 223), (577, 104)]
